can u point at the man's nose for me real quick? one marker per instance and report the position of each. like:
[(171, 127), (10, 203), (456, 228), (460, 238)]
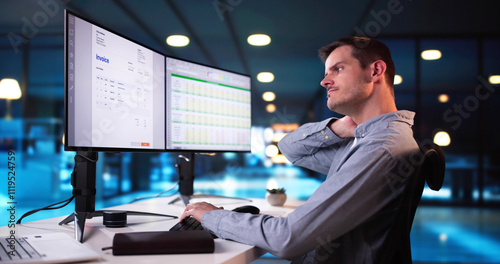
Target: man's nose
[(326, 81)]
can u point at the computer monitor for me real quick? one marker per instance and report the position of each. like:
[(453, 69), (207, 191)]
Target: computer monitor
[(208, 109), (115, 91), (114, 101)]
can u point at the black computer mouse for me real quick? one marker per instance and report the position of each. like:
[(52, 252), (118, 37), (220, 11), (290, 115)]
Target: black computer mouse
[(247, 209)]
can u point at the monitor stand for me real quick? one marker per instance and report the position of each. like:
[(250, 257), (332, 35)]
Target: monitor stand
[(83, 180), (185, 169)]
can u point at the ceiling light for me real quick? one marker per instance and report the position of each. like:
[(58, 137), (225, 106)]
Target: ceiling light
[(285, 127), (280, 158), (398, 79), (268, 134), (443, 98), (442, 139), (272, 184), (268, 96), (265, 77), (443, 237), (431, 54), (259, 40), (270, 108), (278, 136), (177, 40), (494, 79), (272, 151)]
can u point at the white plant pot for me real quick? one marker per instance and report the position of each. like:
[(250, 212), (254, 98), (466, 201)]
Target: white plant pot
[(276, 199)]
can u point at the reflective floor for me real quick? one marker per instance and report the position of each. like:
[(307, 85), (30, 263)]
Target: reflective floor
[(456, 235)]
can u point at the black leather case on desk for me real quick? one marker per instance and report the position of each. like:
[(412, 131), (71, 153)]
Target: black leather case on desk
[(163, 242)]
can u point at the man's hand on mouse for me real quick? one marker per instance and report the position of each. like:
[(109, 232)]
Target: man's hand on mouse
[(197, 210)]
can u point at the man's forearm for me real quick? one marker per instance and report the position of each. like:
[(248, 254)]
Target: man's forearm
[(310, 146)]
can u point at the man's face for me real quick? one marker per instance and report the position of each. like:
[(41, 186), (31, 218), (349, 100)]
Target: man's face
[(345, 81)]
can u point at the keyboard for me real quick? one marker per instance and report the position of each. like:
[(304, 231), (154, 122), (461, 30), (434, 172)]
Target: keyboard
[(16, 249), (53, 247), (192, 224), (187, 225)]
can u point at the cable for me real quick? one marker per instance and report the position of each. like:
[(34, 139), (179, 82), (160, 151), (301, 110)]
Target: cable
[(169, 189), (49, 207), (156, 195), (66, 202)]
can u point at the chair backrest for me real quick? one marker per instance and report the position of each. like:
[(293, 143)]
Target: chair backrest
[(396, 248), (433, 167)]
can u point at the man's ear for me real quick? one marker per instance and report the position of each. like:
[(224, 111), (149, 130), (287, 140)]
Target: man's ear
[(378, 69)]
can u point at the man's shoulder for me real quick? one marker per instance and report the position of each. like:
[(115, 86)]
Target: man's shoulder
[(394, 137)]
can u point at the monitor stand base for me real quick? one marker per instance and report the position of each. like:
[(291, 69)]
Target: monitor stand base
[(80, 217)]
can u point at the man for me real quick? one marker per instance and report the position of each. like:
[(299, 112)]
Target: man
[(363, 155)]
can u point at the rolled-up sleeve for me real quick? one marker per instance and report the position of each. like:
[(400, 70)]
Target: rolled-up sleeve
[(309, 146)]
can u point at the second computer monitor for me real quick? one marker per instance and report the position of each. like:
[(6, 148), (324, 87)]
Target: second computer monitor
[(207, 109)]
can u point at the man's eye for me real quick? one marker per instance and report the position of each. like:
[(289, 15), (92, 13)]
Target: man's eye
[(339, 69)]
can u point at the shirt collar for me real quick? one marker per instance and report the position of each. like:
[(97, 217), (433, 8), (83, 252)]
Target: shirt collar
[(382, 121)]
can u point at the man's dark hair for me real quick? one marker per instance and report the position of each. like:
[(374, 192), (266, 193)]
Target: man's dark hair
[(366, 51)]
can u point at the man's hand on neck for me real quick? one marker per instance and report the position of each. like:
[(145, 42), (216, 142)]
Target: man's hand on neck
[(343, 127)]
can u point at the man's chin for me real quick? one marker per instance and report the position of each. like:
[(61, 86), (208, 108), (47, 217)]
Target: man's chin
[(335, 108), (332, 105)]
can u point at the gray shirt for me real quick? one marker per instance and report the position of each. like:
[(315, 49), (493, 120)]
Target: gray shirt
[(347, 218)]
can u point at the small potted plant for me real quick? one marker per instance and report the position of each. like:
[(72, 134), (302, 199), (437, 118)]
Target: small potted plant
[(276, 197)]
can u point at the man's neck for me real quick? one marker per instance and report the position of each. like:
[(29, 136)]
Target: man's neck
[(377, 105), (366, 115)]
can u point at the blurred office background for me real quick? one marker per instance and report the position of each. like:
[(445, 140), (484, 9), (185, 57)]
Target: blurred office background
[(454, 95)]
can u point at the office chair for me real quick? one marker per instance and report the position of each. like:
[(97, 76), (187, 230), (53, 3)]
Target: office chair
[(396, 248)]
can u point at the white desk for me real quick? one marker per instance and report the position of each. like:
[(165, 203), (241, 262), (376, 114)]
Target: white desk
[(97, 236)]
